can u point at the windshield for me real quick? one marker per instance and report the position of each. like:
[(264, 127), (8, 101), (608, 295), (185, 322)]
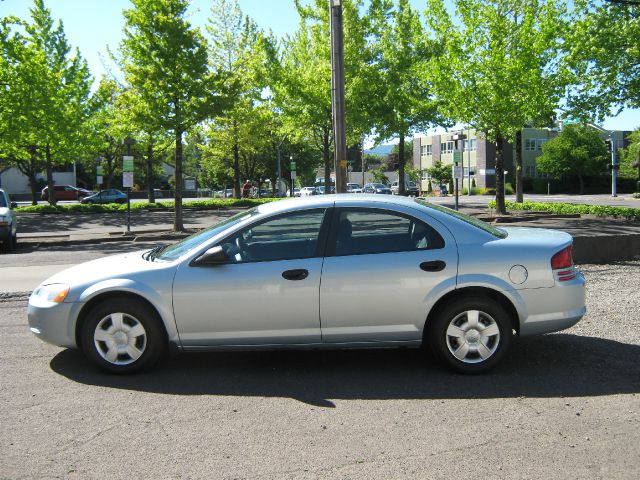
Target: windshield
[(3, 202), (180, 248), (496, 232), (379, 185)]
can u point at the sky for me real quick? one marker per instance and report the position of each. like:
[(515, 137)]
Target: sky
[(92, 25)]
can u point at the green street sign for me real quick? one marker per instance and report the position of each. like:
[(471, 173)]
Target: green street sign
[(457, 156), (100, 170), (293, 166), (127, 164)]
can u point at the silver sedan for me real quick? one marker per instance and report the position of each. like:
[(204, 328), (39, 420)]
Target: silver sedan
[(320, 272)]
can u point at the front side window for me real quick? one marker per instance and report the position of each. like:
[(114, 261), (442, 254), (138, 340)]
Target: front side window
[(369, 231), (286, 237)]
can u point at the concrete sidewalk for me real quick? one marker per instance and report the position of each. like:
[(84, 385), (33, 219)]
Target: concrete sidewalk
[(595, 239)]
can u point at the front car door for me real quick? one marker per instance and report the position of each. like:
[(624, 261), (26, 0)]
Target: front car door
[(267, 293), (383, 270)]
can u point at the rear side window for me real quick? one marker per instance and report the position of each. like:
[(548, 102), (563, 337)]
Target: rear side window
[(371, 231)]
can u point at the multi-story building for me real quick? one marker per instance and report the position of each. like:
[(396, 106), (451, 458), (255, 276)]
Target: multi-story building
[(478, 155)]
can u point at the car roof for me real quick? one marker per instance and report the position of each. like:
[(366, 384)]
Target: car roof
[(323, 201)]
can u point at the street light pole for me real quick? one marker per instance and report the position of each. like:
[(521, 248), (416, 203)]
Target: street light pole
[(614, 165), (337, 95), (279, 181)]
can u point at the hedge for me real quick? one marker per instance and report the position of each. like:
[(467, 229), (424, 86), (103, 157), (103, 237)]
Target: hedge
[(573, 208), (213, 204)]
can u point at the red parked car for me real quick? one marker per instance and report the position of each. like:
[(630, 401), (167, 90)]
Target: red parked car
[(66, 192)]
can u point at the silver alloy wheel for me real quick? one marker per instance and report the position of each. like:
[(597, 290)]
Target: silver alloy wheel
[(120, 338), (473, 336)]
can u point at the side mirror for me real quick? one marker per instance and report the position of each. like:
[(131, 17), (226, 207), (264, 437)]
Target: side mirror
[(214, 256), (14, 205)]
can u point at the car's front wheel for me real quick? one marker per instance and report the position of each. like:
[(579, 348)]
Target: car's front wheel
[(470, 335), (123, 336)]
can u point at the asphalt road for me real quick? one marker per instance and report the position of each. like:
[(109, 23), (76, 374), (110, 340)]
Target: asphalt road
[(565, 405)]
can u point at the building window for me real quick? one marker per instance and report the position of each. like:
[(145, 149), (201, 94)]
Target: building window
[(530, 144), (425, 149), (540, 142), (446, 147), (470, 145), (425, 175)]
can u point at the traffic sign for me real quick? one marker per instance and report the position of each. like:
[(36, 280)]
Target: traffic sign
[(127, 163), (457, 171), (457, 156)]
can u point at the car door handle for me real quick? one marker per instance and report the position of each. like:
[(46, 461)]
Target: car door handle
[(434, 266), (297, 274)]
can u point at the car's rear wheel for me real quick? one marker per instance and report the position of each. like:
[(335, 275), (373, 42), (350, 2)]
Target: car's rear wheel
[(123, 336), (470, 335)]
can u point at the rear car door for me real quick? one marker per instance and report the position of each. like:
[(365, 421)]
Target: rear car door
[(382, 272)]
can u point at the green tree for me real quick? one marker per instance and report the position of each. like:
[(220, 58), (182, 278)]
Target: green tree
[(442, 174), (48, 92), (631, 156), (300, 79), (379, 175), (238, 51), (403, 99), (165, 61), (603, 52), (578, 151), (500, 66)]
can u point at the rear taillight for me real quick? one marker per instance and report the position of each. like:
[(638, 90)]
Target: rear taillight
[(563, 261)]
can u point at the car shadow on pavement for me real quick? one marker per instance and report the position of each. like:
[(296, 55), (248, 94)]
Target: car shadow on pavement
[(558, 365)]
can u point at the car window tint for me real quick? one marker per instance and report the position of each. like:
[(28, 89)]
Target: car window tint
[(3, 202), (360, 232), (287, 237)]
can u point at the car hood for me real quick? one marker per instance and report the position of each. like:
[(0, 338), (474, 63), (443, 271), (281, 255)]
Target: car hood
[(131, 266)]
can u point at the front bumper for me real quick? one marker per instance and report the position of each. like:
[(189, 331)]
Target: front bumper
[(553, 309), (54, 324)]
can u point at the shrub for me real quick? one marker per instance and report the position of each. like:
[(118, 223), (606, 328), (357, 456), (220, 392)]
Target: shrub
[(573, 208), (214, 204)]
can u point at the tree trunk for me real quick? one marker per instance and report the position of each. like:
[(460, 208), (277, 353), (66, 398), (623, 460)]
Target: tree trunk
[(30, 169), (581, 180), (500, 206), (49, 169), (326, 156), (401, 186), (519, 184), (177, 223), (150, 177), (236, 163)]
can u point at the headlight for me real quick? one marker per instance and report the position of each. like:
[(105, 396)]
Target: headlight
[(54, 293), (4, 220)]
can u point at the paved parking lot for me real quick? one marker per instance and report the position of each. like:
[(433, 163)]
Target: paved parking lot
[(565, 405)]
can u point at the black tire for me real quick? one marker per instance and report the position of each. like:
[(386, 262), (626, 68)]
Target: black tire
[(108, 336), (476, 342), (7, 245)]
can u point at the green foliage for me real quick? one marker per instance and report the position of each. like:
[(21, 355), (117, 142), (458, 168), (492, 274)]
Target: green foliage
[(578, 150), (631, 155), (403, 101), (379, 175), (573, 208), (165, 63), (213, 204), (441, 173), (499, 65), (602, 53), (45, 89)]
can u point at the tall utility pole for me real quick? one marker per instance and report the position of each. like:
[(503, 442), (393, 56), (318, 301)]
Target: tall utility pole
[(337, 96)]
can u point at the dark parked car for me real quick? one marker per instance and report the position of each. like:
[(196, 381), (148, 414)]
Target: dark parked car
[(410, 188), (110, 195), (65, 192), (376, 188)]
